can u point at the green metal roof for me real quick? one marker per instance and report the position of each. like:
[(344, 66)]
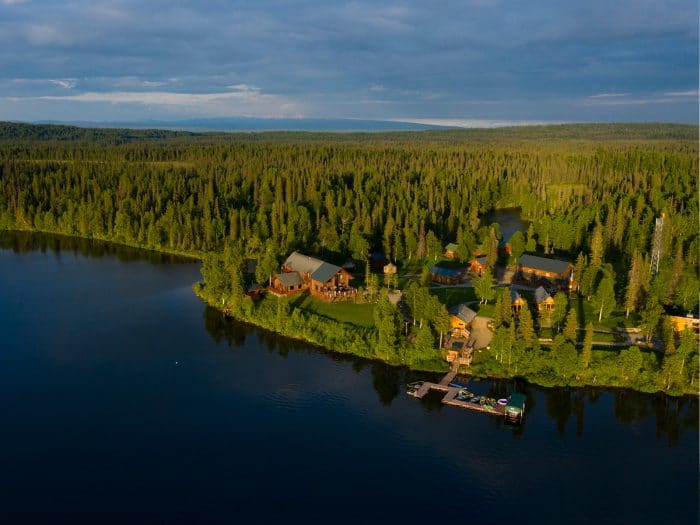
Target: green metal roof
[(516, 400), (452, 247)]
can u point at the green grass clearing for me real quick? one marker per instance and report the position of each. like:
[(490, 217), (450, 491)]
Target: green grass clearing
[(345, 311), (452, 296)]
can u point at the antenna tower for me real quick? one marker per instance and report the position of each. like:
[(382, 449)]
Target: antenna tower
[(656, 246)]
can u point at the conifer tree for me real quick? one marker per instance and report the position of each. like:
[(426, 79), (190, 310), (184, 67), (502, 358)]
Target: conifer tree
[(587, 350), (561, 303), (669, 335), (651, 316), (526, 329), (633, 284), (597, 247), (571, 326), (483, 286), (506, 306)]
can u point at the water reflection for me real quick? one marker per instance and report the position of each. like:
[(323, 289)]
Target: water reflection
[(25, 242), (566, 407)]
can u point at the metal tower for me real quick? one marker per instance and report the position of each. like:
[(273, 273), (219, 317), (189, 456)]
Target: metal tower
[(656, 245)]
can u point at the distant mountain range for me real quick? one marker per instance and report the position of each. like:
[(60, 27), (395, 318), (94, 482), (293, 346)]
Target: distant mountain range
[(259, 124), (208, 131)]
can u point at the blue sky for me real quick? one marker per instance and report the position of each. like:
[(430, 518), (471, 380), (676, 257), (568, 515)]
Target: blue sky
[(565, 60)]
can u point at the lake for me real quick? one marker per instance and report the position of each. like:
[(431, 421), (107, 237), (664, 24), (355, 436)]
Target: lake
[(125, 399)]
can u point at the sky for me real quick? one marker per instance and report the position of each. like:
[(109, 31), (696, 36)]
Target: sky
[(452, 62)]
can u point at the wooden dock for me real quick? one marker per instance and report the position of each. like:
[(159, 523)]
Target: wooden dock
[(451, 392)]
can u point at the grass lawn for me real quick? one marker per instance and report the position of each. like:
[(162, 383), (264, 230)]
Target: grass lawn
[(452, 296), (484, 310), (345, 311), (615, 320)]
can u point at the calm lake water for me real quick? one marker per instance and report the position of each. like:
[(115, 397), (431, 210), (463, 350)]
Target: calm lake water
[(124, 399)]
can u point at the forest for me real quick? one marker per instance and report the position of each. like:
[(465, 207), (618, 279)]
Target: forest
[(591, 194)]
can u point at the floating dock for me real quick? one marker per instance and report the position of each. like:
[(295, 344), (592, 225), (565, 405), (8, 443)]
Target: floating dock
[(451, 393)]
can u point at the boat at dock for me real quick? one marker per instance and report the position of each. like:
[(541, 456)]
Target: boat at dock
[(512, 408)]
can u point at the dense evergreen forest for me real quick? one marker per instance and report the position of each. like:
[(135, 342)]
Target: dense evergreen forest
[(591, 192)]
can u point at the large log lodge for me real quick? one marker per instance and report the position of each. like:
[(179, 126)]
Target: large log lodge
[(536, 270), (322, 279)]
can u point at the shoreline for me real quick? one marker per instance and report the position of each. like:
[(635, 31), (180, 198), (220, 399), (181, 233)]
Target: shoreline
[(441, 368)]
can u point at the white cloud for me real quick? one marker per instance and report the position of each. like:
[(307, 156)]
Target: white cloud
[(689, 93), (247, 88), (475, 123), (668, 98), (66, 83), (248, 102), (150, 83), (609, 95)]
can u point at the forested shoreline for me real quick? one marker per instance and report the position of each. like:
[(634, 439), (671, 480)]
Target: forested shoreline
[(227, 198)]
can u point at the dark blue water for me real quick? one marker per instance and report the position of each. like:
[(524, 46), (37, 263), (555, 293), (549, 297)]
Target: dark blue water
[(124, 399)]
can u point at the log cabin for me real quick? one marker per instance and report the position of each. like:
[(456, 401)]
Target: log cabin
[(461, 317), (478, 264), (319, 277), (445, 275), (535, 269)]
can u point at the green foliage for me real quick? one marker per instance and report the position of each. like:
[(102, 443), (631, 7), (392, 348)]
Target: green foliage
[(387, 320), (561, 304), (604, 298), (483, 286), (571, 326), (687, 293), (517, 244), (564, 357), (587, 350), (651, 316), (526, 329), (597, 247), (227, 197)]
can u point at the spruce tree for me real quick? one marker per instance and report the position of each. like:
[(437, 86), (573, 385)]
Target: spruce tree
[(633, 284), (587, 350), (526, 329), (571, 326), (483, 286)]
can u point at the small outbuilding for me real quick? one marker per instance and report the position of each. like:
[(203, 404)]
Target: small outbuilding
[(516, 301), (544, 301), (390, 268), (478, 264), (461, 317), (451, 251)]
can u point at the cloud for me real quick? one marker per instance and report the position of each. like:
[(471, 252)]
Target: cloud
[(244, 88), (689, 93), (150, 83), (624, 100), (475, 123), (66, 83), (471, 59), (609, 95), (251, 103)]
